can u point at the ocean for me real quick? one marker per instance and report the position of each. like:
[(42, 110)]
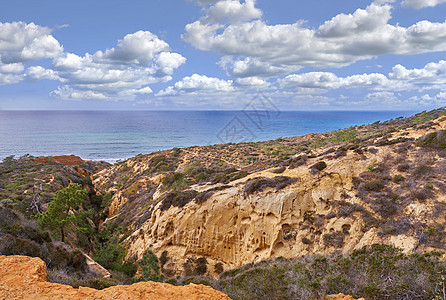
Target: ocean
[(117, 135)]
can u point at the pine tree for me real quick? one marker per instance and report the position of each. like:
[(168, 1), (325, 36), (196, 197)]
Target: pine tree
[(60, 212)]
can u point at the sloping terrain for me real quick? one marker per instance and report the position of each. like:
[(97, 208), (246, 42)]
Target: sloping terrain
[(27, 185), (209, 209), (295, 217)]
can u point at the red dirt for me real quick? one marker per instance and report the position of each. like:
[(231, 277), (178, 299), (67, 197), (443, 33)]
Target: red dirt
[(69, 160)]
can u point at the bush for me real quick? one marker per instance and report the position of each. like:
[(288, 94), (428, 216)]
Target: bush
[(177, 199), (172, 281), (422, 171), (218, 268), (201, 266), (433, 140), (398, 178), (374, 185), (319, 166), (335, 239), (278, 170), (259, 184), (150, 268), (176, 181), (97, 283), (403, 167)]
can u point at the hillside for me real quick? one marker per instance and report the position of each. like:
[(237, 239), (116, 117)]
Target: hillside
[(292, 217), (316, 194)]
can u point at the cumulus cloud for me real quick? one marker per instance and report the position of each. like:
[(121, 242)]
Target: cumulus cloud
[(380, 96), (198, 83), (431, 76), (232, 11), (254, 48), (20, 43), (252, 82), (430, 100), (38, 73), (122, 72), (10, 78), (314, 82), (419, 4)]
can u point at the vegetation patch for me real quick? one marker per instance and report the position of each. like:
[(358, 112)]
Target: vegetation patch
[(259, 184), (177, 199)]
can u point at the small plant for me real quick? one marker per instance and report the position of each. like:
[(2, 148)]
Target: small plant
[(372, 168), (176, 181), (398, 178), (374, 185), (319, 166)]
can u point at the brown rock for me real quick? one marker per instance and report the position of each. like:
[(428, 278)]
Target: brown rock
[(23, 277), (340, 297)]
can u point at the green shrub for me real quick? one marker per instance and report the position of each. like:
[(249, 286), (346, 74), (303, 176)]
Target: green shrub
[(398, 178), (372, 168), (150, 268), (172, 281), (374, 185), (177, 199), (259, 184), (319, 166), (278, 170), (97, 283), (176, 181), (423, 170)]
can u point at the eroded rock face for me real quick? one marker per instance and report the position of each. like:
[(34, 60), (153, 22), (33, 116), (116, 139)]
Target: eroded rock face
[(234, 229), (23, 277), (322, 212)]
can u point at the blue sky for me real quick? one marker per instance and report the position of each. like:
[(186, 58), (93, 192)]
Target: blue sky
[(218, 54)]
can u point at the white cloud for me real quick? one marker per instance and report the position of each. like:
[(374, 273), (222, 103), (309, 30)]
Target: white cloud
[(316, 82), (20, 43), (68, 93), (252, 82), (13, 68), (430, 74), (255, 48), (198, 83), (138, 48), (38, 73), (381, 96), (418, 4), (122, 72), (232, 11), (205, 2), (10, 78), (428, 100)]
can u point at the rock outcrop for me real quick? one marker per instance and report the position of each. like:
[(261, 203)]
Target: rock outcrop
[(23, 277), (321, 212)]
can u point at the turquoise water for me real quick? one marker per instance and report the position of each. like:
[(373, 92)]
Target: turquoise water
[(113, 135)]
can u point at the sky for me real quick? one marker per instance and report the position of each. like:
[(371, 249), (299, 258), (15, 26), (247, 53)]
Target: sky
[(221, 54)]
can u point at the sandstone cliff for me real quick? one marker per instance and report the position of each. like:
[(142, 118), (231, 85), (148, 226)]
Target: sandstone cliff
[(23, 277), (353, 199)]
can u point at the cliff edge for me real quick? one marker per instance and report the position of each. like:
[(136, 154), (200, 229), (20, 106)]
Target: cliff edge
[(23, 277)]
